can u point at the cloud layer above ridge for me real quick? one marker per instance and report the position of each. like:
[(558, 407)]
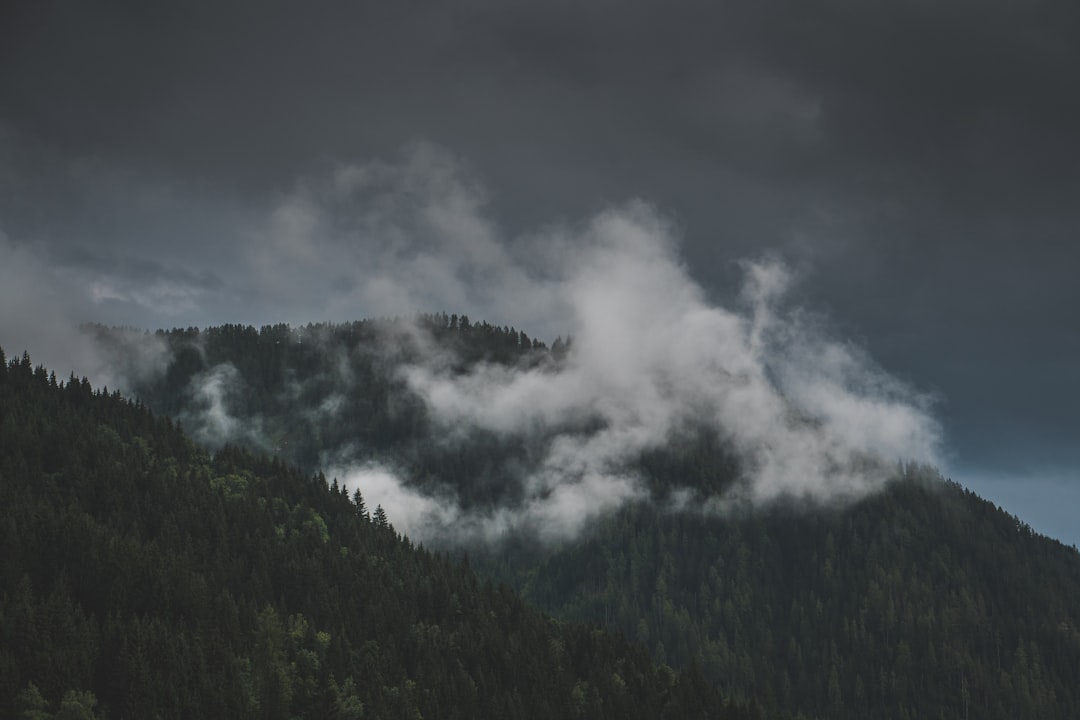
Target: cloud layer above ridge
[(807, 415)]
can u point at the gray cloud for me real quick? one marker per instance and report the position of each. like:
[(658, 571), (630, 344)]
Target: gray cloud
[(208, 417), (807, 415), (42, 310), (915, 161)]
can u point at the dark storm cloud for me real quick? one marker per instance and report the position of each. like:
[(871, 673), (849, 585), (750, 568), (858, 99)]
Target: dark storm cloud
[(918, 160), (891, 78)]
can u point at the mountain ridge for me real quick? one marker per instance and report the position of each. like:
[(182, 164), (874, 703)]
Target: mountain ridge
[(874, 606)]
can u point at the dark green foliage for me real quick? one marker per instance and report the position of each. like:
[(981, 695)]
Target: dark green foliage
[(924, 601), (336, 388), (141, 577)]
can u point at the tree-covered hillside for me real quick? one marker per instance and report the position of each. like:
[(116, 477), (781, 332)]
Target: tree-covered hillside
[(920, 601), (305, 393), (142, 577), (923, 601)]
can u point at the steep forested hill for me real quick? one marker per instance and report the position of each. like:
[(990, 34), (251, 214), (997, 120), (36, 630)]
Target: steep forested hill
[(921, 601), (303, 393), (142, 577), (924, 601)]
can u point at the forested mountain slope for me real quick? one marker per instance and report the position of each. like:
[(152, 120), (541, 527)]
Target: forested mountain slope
[(924, 601), (326, 390), (142, 577), (920, 601)]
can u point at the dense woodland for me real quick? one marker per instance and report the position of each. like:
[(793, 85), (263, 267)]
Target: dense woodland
[(922, 601), (925, 601), (143, 577)]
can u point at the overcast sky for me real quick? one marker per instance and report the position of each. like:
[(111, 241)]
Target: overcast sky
[(916, 163)]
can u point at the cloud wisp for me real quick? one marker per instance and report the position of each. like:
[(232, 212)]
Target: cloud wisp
[(806, 415), (208, 417), (41, 314)]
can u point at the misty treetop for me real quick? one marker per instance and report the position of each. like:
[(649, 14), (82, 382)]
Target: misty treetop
[(476, 428), (330, 394)]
